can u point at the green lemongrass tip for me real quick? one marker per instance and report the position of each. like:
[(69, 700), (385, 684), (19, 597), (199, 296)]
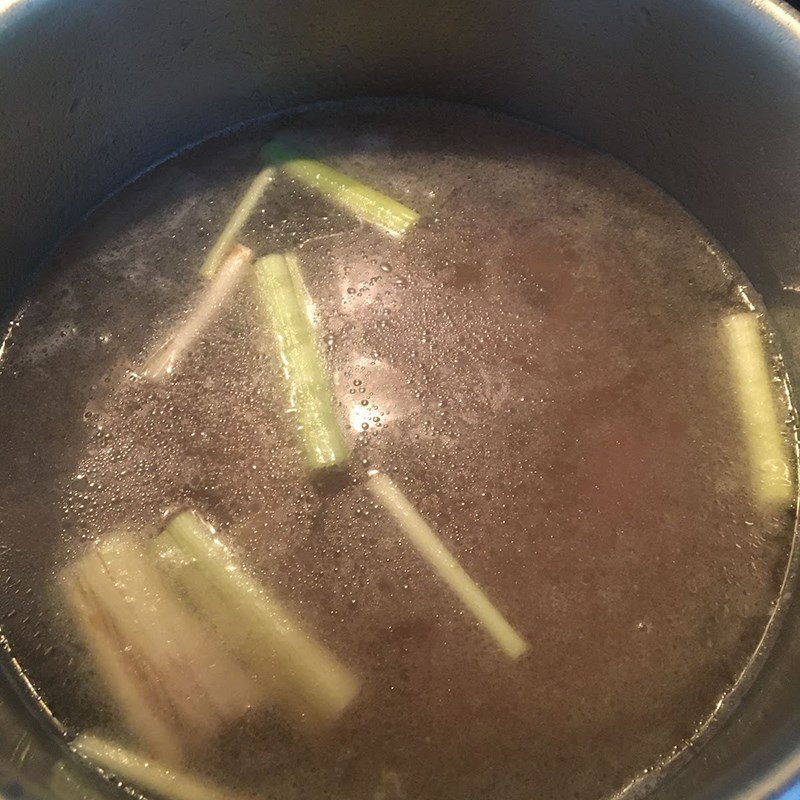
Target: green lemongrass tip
[(146, 774), (304, 678), (237, 220), (433, 550), (215, 295), (173, 685), (363, 202), (753, 390), (285, 307)]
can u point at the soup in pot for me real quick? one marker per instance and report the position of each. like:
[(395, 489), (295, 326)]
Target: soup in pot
[(391, 450)]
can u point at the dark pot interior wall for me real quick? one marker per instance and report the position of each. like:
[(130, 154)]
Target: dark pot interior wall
[(101, 90), (703, 97)]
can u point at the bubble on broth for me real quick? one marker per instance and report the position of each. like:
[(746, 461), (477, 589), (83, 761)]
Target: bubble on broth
[(538, 365)]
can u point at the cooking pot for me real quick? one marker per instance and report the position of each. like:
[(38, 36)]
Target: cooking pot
[(701, 96)]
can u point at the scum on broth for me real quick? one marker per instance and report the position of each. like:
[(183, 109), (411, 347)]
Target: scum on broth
[(540, 365)]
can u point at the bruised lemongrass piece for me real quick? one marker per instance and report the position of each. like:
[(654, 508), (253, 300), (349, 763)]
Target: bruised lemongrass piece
[(363, 202), (174, 685), (119, 672), (212, 300), (237, 220), (443, 563), (761, 430), (284, 305), (302, 676), (146, 774)]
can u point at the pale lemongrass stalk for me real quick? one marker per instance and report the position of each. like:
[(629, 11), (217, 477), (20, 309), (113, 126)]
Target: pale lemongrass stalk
[(302, 676), (444, 564), (237, 220), (146, 774), (172, 682), (213, 298), (360, 200), (284, 304), (755, 400), (133, 698)]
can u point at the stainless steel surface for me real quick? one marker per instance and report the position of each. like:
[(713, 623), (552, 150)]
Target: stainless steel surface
[(702, 96)]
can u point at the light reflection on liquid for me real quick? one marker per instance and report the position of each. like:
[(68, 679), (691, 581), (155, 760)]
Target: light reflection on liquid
[(387, 397)]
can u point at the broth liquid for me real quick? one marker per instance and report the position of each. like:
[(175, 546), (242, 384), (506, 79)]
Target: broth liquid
[(538, 364)]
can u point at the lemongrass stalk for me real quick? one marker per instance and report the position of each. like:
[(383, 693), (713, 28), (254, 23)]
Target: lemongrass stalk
[(215, 295), (173, 684), (303, 677), (444, 564), (761, 429), (363, 202), (285, 307), (134, 699), (188, 665), (237, 220), (300, 289), (146, 774)]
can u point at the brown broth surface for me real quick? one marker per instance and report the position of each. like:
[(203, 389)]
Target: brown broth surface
[(538, 365)]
